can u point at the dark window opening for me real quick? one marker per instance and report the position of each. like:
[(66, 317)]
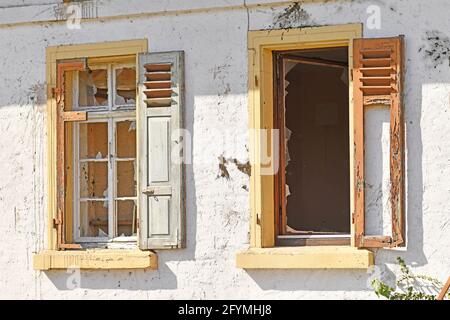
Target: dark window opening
[(313, 185)]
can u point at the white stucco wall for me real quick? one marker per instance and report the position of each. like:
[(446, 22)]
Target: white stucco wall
[(215, 42)]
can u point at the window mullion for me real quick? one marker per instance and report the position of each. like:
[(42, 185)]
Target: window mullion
[(111, 163), (76, 182)]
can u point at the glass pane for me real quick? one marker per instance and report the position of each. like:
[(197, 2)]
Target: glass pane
[(126, 218), (126, 139), (93, 140), (94, 219), (125, 86), (93, 88), (126, 178), (94, 180)]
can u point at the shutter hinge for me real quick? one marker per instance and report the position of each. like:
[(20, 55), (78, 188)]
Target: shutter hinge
[(53, 90), (351, 74), (56, 222), (353, 217)]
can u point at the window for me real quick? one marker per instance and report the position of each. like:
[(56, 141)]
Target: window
[(104, 154), (312, 116), (115, 123), (315, 85)]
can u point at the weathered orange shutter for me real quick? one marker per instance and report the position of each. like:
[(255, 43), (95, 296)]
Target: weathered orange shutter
[(378, 80), (63, 116)]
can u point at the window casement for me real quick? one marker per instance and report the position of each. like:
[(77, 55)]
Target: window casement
[(309, 90), (115, 116)]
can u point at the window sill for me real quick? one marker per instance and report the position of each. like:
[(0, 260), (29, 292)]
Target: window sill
[(320, 257), (96, 259)]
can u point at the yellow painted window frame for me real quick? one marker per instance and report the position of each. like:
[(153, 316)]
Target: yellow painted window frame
[(261, 45), (107, 259)]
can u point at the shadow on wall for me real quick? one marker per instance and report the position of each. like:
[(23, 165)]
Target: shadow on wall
[(312, 280), (433, 58)]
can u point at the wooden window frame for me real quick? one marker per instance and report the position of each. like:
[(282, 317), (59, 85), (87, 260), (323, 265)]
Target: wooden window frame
[(261, 113), (111, 118), (283, 238), (111, 114), (119, 49)]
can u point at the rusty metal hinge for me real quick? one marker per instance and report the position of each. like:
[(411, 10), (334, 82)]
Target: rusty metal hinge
[(56, 222)]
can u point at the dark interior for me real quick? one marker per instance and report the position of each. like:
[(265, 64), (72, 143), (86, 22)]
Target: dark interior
[(317, 171)]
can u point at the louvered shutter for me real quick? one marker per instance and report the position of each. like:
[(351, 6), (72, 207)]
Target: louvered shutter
[(161, 177), (378, 80)]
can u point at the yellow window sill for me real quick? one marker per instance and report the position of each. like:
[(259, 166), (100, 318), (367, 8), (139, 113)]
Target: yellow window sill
[(323, 257), (95, 259)]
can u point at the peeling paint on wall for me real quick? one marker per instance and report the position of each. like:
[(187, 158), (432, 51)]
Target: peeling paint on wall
[(244, 167), (217, 211), (37, 93), (292, 17), (223, 171), (437, 48)]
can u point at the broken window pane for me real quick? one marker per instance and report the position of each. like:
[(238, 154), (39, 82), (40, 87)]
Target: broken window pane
[(126, 218), (93, 88), (317, 143), (93, 140), (126, 179), (125, 86), (94, 219), (126, 139), (94, 180)]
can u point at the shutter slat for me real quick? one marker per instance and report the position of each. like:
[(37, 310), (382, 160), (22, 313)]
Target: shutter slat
[(157, 76), (159, 102), (376, 62), (376, 71), (158, 66), (377, 80), (158, 93), (158, 84), (161, 178), (377, 90)]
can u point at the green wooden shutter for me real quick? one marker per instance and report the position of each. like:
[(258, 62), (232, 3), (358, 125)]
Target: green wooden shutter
[(161, 178)]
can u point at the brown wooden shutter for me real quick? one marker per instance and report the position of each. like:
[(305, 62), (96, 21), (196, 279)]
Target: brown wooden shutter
[(378, 80), (63, 116)]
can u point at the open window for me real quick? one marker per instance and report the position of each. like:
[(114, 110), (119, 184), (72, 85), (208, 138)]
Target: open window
[(312, 114), (117, 188), (316, 88)]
